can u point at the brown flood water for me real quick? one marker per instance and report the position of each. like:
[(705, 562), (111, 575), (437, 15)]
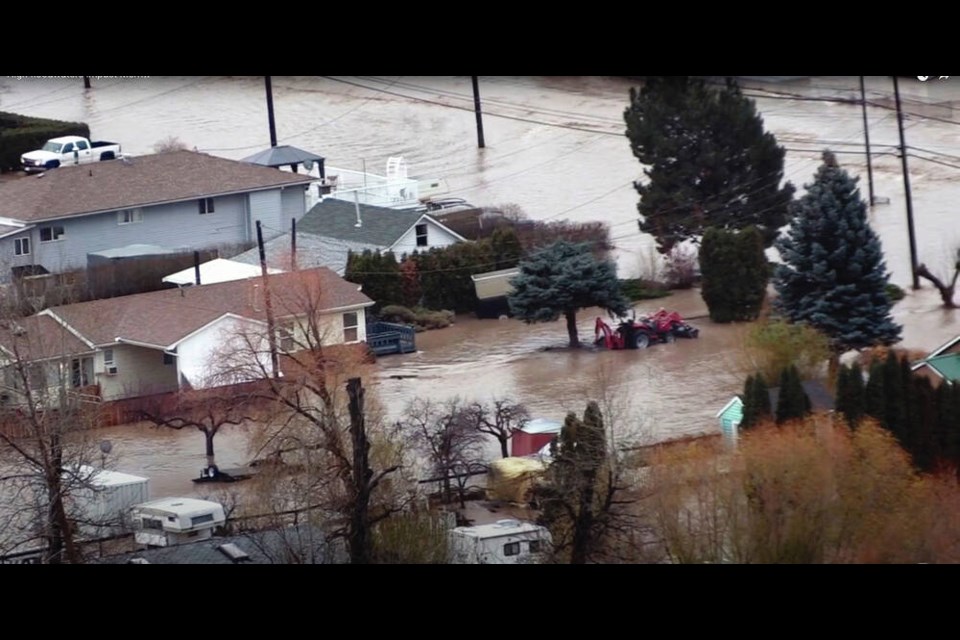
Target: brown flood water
[(538, 159)]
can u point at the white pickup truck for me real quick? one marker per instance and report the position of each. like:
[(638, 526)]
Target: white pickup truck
[(69, 150)]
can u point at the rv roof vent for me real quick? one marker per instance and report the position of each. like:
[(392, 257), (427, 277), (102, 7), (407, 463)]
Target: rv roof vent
[(235, 553), (508, 522)]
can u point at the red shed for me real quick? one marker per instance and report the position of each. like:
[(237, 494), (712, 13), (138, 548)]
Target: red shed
[(534, 436)]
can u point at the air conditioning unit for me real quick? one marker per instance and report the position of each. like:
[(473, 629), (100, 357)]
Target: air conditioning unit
[(112, 370)]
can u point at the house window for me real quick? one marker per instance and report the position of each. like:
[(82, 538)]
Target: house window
[(167, 358), (81, 372), (21, 247), (206, 205), (535, 546), (51, 234), (421, 230), (109, 364), (511, 549), (130, 216), (350, 327), (285, 339)]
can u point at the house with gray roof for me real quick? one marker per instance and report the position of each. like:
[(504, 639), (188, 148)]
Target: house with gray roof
[(185, 338), (335, 227), (177, 200)]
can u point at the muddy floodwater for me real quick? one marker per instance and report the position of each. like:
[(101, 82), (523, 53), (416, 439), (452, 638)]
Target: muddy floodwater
[(554, 147)]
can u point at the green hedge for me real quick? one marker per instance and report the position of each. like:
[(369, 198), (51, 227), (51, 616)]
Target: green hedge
[(20, 134)]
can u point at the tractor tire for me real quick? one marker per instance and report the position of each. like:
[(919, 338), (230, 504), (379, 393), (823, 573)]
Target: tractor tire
[(641, 341), (670, 338)]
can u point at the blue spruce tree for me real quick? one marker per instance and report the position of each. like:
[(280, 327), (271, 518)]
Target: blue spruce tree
[(833, 275)]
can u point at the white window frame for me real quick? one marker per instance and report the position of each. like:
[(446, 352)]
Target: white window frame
[(285, 338), (109, 362), (54, 236), (511, 549), (206, 206), (425, 235), (351, 327), (21, 246), (129, 216)]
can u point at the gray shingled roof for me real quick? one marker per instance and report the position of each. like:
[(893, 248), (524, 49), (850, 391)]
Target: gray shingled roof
[(281, 156), (380, 226), (312, 251), (134, 182)]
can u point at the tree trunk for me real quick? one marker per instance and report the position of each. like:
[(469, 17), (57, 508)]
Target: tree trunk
[(359, 535), (61, 534), (503, 445), (946, 291), (208, 436), (571, 316), (580, 545)]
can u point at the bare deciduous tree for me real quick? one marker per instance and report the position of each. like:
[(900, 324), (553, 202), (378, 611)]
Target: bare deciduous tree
[(446, 435), (46, 451), (947, 291), (207, 410), (342, 466), (501, 419)]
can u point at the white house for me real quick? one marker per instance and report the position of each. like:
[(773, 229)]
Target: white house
[(172, 521), (50, 222), (335, 227), (162, 341), (504, 542)]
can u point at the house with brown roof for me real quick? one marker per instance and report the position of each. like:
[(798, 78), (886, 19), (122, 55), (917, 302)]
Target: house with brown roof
[(190, 337), (176, 200)]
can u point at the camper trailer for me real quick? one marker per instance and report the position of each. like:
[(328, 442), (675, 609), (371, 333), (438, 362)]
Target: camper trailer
[(504, 542), (171, 521)]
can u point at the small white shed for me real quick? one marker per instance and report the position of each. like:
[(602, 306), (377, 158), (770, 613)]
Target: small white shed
[(171, 521), (105, 503), (504, 542)]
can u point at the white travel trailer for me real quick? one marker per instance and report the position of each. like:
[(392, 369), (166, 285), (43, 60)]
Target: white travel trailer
[(172, 521), (505, 542), (105, 504)]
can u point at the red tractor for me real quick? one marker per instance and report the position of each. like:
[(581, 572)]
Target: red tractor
[(663, 326)]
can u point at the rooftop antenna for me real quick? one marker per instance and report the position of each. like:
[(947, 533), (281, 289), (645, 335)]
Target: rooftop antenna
[(356, 205)]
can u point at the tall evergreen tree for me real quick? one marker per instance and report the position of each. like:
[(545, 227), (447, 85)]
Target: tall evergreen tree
[(875, 393), (708, 160), (561, 279), (895, 399), (792, 400), (761, 398), (735, 273), (833, 275), (842, 401)]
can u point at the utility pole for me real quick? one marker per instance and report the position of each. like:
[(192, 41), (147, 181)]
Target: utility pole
[(293, 243), (273, 124), (271, 328), (866, 138), (906, 187), (86, 82), (476, 108)]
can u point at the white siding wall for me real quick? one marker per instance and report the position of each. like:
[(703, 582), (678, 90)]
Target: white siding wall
[(140, 371), (331, 329), (221, 347), (436, 237)]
